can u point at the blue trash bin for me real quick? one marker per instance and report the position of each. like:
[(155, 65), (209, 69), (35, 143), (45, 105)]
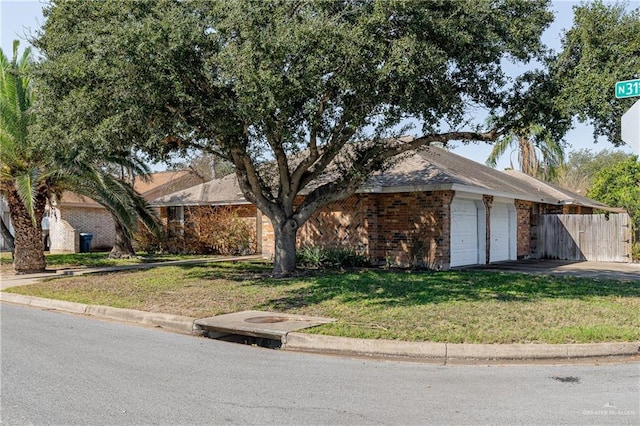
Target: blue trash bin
[(85, 242)]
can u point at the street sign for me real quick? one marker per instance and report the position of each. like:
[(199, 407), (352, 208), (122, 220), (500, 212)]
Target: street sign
[(628, 88), (631, 127)]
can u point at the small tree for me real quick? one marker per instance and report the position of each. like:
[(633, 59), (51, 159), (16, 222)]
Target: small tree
[(581, 167), (619, 185)]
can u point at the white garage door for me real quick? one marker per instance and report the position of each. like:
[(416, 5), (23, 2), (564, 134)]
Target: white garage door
[(464, 233), (502, 233)]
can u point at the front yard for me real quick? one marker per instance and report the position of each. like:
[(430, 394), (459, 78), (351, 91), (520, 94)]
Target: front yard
[(471, 307)]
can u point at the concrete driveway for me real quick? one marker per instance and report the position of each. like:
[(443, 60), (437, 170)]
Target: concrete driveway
[(603, 270)]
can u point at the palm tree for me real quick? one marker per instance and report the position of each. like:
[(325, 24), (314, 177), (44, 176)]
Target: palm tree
[(30, 176), (126, 207), (23, 180), (538, 157)]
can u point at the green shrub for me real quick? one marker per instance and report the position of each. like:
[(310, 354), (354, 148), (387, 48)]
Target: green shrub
[(345, 257), (635, 252), (207, 230), (320, 257), (311, 256)]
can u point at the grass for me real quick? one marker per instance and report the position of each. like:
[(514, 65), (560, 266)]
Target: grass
[(91, 260), (471, 307)]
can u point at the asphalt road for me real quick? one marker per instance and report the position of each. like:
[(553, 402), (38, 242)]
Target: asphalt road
[(63, 369)]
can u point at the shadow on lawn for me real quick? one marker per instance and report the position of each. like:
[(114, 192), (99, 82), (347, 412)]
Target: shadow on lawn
[(416, 288), (231, 271)]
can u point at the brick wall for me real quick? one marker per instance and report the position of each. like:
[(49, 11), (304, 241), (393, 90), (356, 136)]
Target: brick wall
[(570, 209), (404, 229), (69, 221), (412, 229), (268, 238), (339, 224), (524, 213)]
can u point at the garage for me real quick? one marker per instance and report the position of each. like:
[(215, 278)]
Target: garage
[(467, 238), (502, 225)]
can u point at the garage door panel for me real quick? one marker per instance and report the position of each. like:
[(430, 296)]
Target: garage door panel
[(502, 233), (499, 225), (464, 233)]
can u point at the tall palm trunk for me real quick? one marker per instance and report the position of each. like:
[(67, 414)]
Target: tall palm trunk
[(28, 255)]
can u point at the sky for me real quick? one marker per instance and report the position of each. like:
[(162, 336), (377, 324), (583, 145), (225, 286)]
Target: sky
[(20, 18)]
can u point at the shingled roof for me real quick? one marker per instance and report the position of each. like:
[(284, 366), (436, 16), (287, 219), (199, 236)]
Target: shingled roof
[(156, 185), (429, 169), (214, 192)]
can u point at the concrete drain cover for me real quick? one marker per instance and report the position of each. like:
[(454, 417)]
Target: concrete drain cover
[(266, 320), (269, 325)]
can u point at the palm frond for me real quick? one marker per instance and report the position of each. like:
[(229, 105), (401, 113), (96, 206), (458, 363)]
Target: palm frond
[(499, 148), (26, 186)]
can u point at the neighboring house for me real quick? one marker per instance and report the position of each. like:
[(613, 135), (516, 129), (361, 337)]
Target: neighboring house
[(434, 209), (75, 214)]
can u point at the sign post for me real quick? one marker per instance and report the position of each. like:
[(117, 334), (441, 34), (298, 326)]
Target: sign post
[(631, 127)]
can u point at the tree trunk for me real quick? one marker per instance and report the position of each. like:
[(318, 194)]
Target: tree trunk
[(122, 247), (7, 236), (28, 255), (284, 263)]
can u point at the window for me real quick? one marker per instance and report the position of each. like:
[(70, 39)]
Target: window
[(175, 220)]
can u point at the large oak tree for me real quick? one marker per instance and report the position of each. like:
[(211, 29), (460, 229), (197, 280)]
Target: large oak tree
[(303, 97)]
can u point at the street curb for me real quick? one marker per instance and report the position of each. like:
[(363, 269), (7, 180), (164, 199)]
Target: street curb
[(451, 352), (175, 323), (316, 343)]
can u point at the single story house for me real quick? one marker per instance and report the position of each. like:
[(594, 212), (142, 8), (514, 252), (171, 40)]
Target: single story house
[(434, 208), (74, 214)]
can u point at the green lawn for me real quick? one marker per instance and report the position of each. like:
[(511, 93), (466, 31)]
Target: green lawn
[(91, 260), (472, 307)]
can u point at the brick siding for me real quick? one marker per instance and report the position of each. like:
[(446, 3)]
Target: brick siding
[(68, 222), (400, 229), (403, 229), (524, 213)]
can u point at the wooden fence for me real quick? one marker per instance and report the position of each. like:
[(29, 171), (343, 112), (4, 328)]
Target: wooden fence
[(598, 237)]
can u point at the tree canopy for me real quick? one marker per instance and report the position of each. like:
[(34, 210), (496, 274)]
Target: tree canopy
[(619, 185), (309, 86), (581, 167), (601, 48)]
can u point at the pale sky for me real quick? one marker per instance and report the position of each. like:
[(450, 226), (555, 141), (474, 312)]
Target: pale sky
[(20, 18)]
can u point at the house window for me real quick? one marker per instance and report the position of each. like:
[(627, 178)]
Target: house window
[(175, 220)]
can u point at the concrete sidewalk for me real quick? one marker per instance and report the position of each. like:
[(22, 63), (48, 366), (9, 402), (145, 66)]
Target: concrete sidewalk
[(442, 353)]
